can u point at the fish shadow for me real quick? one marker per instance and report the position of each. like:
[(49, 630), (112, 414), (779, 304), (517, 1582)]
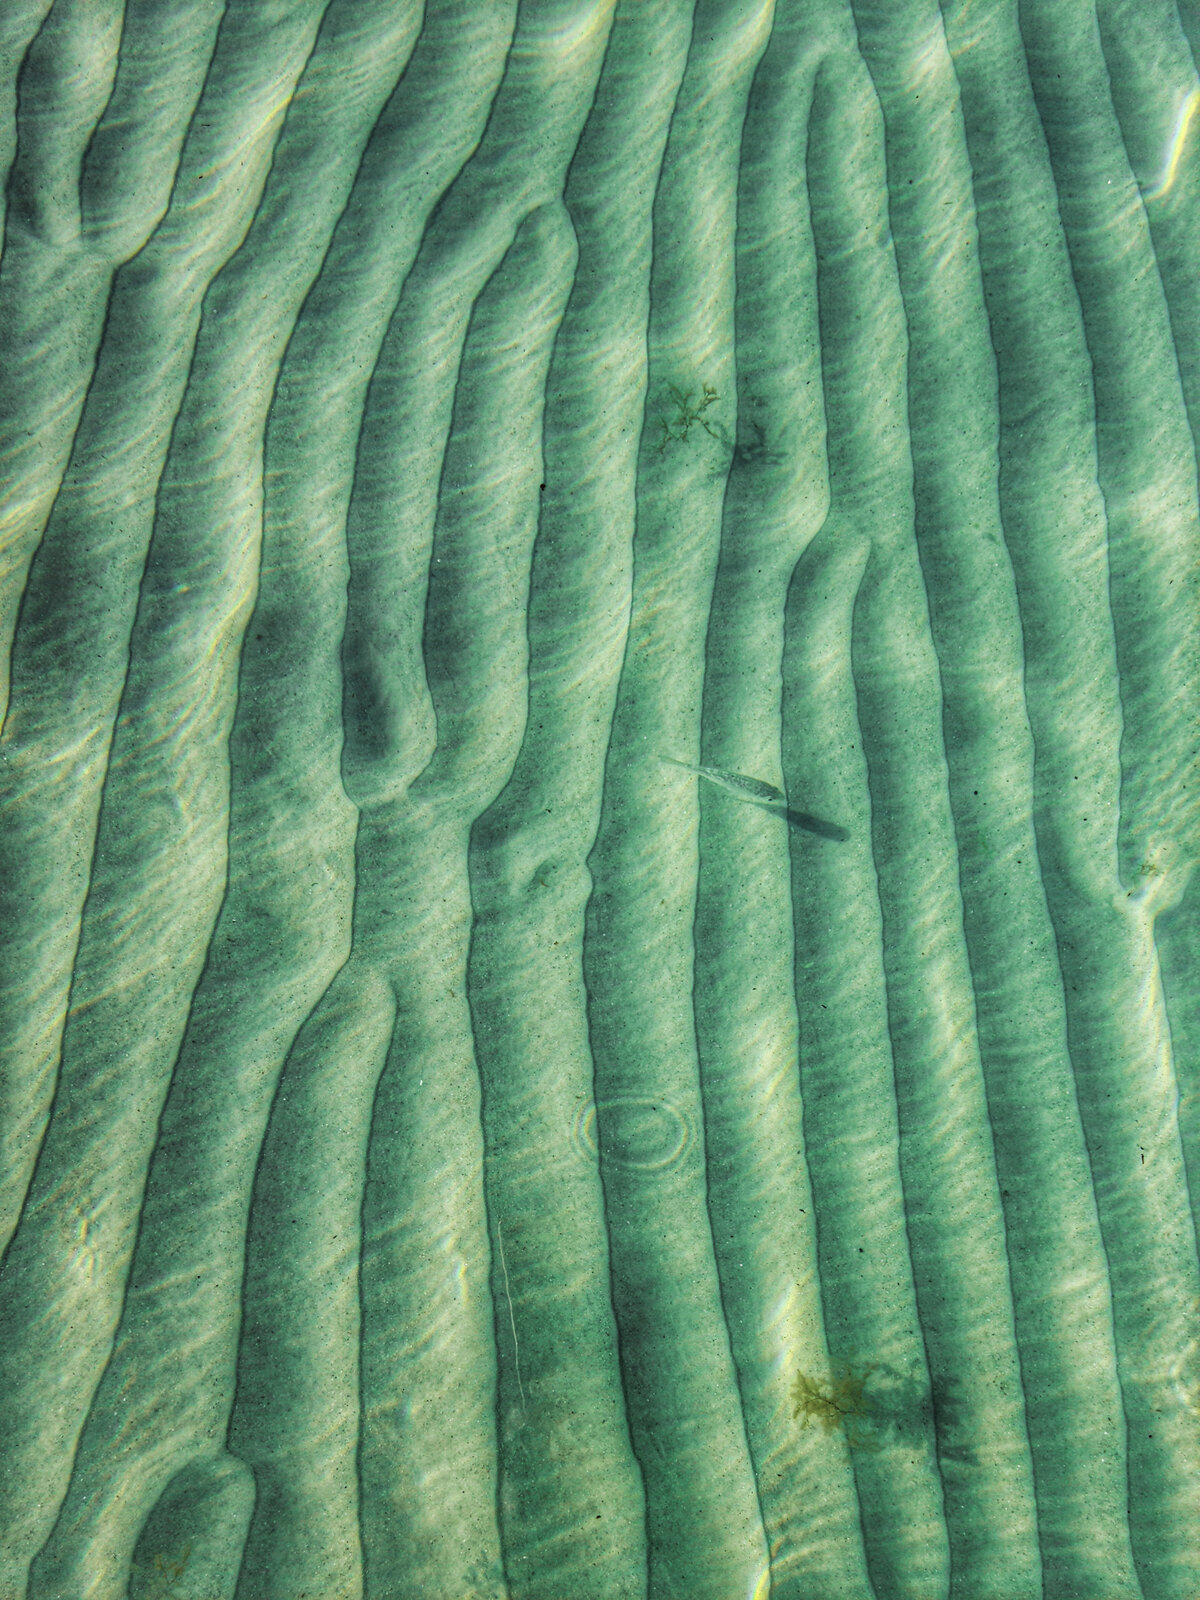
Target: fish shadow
[(805, 821)]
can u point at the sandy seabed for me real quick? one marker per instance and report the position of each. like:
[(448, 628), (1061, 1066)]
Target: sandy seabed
[(598, 793)]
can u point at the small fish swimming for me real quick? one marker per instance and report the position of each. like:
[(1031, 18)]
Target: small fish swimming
[(736, 782), (765, 795)]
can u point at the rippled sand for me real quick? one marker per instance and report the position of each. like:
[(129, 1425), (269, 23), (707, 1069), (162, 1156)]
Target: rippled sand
[(599, 785)]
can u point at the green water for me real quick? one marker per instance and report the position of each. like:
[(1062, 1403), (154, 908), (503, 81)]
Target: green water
[(454, 1149)]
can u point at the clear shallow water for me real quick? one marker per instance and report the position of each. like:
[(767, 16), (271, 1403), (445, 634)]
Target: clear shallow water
[(450, 1148)]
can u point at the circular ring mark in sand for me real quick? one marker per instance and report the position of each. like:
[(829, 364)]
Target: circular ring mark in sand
[(643, 1132)]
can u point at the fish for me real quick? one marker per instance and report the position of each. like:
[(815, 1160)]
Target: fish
[(736, 782), (765, 795)]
